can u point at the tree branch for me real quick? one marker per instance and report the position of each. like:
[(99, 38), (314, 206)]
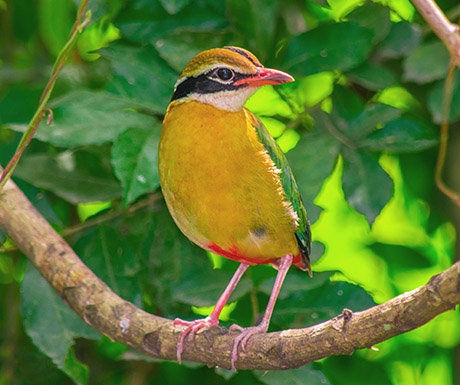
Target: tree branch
[(440, 24), (120, 320)]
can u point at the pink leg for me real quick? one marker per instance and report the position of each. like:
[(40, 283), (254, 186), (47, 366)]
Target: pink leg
[(247, 333), (193, 327)]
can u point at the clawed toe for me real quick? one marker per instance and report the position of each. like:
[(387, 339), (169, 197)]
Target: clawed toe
[(190, 328), (242, 339)]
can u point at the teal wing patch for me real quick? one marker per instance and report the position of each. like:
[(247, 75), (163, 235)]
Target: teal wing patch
[(303, 233)]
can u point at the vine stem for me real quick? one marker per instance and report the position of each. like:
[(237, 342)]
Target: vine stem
[(449, 34), (41, 110)]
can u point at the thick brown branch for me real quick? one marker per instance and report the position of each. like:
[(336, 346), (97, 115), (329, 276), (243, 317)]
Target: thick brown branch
[(122, 321)]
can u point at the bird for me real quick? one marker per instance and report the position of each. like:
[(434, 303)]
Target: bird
[(227, 184)]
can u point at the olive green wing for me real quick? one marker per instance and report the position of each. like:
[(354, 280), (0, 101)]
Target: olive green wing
[(303, 233)]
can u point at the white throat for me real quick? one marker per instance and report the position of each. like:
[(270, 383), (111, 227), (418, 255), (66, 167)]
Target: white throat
[(226, 100)]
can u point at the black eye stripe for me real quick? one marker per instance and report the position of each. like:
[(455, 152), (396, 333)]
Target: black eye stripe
[(205, 84)]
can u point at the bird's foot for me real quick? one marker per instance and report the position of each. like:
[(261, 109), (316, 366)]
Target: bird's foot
[(243, 338), (192, 328)]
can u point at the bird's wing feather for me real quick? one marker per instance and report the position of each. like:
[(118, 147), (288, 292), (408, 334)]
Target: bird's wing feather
[(303, 234)]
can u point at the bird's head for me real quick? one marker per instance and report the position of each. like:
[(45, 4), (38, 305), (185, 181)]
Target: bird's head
[(225, 78)]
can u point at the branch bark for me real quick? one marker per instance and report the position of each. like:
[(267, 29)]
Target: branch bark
[(120, 320)]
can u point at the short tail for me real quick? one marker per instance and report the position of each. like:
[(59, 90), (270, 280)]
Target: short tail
[(304, 242)]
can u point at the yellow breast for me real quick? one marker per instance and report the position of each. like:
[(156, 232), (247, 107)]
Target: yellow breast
[(221, 186)]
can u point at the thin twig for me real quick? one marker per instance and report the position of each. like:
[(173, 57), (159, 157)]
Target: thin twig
[(444, 135), (449, 34), (40, 112)]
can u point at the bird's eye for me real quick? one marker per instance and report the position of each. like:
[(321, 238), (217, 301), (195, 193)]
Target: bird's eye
[(224, 74)]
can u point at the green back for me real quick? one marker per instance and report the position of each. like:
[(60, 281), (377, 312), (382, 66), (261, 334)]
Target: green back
[(289, 184)]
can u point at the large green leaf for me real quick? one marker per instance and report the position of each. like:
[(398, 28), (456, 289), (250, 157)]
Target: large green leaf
[(374, 17), (357, 370), (257, 35), (401, 40), (435, 100), (112, 256), (145, 22), (427, 63), (68, 178), (178, 49), (312, 161), (372, 117), (141, 76), (340, 46), (366, 186), (206, 290), (85, 117), (402, 135), (306, 307), (371, 76), (52, 325), (135, 161)]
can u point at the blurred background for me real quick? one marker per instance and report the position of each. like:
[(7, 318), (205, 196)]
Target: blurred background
[(360, 127)]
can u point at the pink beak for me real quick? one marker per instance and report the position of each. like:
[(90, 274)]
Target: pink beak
[(266, 76)]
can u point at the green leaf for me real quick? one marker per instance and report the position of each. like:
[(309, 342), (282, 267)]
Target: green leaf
[(112, 256), (135, 161), (312, 161), (372, 117), (371, 76), (401, 258), (141, 76), (374, 17), (402, 135), (52, 325), (366, 186), (147, 23), (358, 370), (258, 36), (427, 63), (296, 282), (174, 6), (83, 117), (346, 106), (337, 46), (56, 20), (308, 307), (305, 375), (177, 50), (67, 178), (401, 40), (206, 290), (435, 100)]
